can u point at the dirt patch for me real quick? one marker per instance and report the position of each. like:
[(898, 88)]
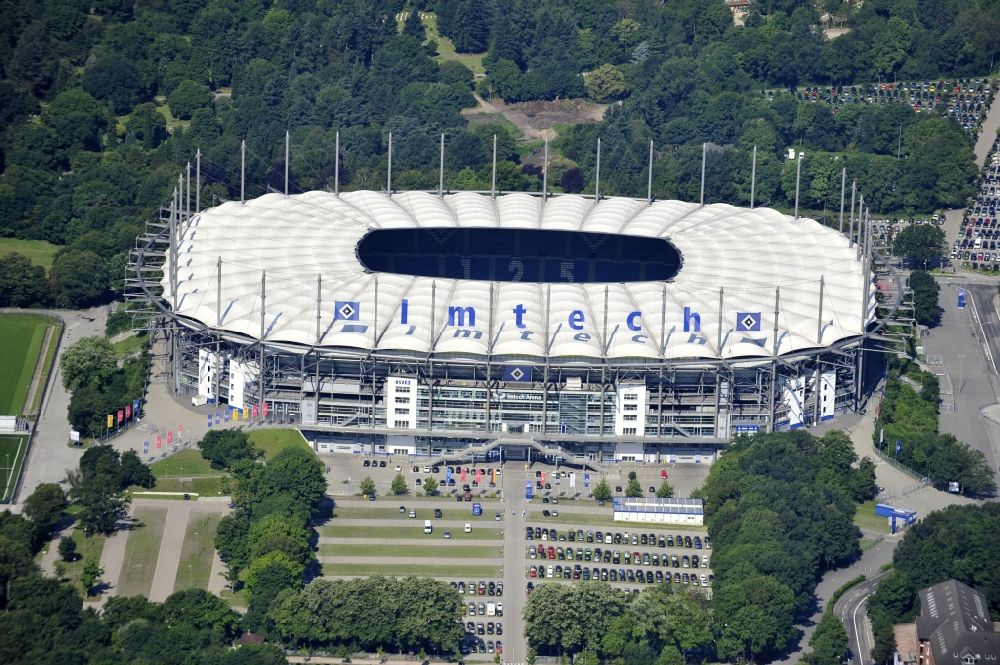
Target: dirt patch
[(536, 120)]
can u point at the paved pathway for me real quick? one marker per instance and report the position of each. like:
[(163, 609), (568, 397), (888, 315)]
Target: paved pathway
[(515, 594), (988, 132), (170, 551), (112, 561), (49, 457)]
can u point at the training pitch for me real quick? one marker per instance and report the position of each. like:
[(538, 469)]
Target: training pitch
[(12, 450), (21, 337)]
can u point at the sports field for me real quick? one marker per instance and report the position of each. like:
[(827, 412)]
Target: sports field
[(21, 337), (12, 450)]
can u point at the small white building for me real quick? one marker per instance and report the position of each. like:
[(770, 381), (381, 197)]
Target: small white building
[(662, 511)]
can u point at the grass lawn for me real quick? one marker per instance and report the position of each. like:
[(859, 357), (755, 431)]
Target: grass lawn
[(172, 122), (187, 462), (273, 441), (38, 252), (236, 600), (865, 518), (443, 549), (12, 450), (21, 338), (446, 48), (130, 345), (422, 514), (91, 547), (141, 552), (197, 552), (360, 530), (407, 569), (210, 486)]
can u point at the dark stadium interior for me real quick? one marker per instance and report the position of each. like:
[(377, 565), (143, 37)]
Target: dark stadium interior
[(519, 255)]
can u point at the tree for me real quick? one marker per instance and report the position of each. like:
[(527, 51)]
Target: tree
[(78, 278), (572, 181), (919, 243), (267, 577), (431, 487), (275, 533), (45, 508), (22, 283), (414, 27), (104, 505), (828, 641), (146, 125), (188, 97), (67, 549), (606, 83), (367, 486), (633, 489), (200, 610), (602, 491), (223, 448), (925, 297), (90, 575), (91, 359), (294, 476), (664, 491), (399, 486), (116, 80), (471, 32)]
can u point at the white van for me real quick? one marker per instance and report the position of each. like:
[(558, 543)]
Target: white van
[(428, 527), (468, 527)]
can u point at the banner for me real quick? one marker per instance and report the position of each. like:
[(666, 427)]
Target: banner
[(135, 407), (586, 480), (463, 475), (225, 415), (218, 418), (145, 447), (111, 420), (128, 410), (447, 475), (210, 420), (254, 410), (543, 478), (121, 416), (74, 436), (265, 409), (479, 475), (236, 414), (493, 476), (246, 413), (180, 430), (159, 442), (170, 437), (572, 480)]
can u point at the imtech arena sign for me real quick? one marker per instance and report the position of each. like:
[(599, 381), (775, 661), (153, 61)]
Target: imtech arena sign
[(463, 321)]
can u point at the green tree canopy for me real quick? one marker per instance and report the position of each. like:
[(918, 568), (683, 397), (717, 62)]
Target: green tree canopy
[(188, 97), (91, 359)]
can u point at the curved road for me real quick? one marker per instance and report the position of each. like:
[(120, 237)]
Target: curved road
[(852, 610)]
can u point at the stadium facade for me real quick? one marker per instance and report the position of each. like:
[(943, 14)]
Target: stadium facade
[(456, 324)]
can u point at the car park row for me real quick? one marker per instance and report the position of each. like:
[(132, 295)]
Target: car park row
[(978, 241)]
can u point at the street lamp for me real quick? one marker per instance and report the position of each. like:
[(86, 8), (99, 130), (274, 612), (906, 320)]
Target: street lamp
[(961, 370)]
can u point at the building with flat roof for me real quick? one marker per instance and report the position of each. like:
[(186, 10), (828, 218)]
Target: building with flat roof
[(661, 511)]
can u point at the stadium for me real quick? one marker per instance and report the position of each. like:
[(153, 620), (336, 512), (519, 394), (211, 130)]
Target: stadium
[(481, 324)]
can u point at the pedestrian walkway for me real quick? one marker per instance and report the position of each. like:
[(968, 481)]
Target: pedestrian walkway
[(112, 561), (170, 551)]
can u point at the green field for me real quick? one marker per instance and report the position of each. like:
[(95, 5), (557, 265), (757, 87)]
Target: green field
[(273, 441), (404, 532), (21, 338), (197, 552), (187, 462), (446, 48), (865, 518), (141, 552), (406, 569), (88, 548), (38, 252), (443, 549), (12, 450)]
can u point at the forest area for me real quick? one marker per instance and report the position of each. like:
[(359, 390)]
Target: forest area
[(103, 103)]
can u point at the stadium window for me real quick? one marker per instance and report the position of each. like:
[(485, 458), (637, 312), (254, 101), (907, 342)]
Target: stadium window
[(631, 407), (630, 416), (402, 424), (402, 412), (402, 400), (628, 430), (630, 397)]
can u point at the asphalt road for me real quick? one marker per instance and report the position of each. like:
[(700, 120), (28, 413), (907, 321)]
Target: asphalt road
[(852, 610)]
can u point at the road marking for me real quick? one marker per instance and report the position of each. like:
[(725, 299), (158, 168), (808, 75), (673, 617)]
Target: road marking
[(857, 633), (985, 342)]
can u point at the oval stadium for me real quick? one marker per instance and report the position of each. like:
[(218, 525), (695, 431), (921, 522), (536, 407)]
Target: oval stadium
[(466, 324)]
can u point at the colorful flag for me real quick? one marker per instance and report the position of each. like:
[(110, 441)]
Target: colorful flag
[(236, 414), (254, 410), (265, 409), (479, 475), (128, 410), (111, 420), (586, 480), (135, 406), (210, 420), (572, 480), (493, 476), (145, 447), (218, 418), (246, 413), (462, 474), (159, 442), (543, 477), (180, 430), (225, 415), (170, 438), (121, 416)]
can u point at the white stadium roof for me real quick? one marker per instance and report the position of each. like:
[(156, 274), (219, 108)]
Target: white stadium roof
[(295, 239)]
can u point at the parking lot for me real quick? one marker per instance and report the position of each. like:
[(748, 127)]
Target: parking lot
[(478, 539), (978, 243)]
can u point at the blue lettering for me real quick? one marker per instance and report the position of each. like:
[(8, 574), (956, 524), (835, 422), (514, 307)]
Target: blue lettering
[(582, 337), (519, 312), (467, 333), (639, 339), (576, 319), (457, 315), (411, 330), (630, 321), (526, 334), (404, 310), (354, 328), (691, 317)]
